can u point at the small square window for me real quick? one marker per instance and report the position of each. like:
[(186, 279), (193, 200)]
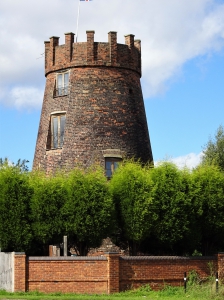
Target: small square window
[(62, 82), (111, 164)]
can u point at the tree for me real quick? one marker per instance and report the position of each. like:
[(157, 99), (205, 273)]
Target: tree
[(214, 150), (131, 189), (15, 195), (209, 191), (173, 204), (49, 197), (21, 164), (89, 209)]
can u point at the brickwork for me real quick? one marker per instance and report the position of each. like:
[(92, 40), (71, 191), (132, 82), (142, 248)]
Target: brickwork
[(113, 273), (104, 106), (136, 271), (220, 259), (19, 272), (91, 53), (107, 274), (68, 275)]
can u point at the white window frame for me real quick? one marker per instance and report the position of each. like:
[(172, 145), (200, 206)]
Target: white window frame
[(63, 89), (57, 143)]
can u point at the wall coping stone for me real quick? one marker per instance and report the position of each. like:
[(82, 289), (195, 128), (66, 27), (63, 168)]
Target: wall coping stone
[(168, 257), (65, 258)]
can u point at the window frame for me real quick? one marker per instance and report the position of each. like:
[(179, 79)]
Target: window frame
[(57, 143), (62, 90), (113, 161)]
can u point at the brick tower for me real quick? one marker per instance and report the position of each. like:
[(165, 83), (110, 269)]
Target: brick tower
[(93, 110)]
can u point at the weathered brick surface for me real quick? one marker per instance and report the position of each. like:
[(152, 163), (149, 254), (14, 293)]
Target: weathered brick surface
[(157, 271), (19, 272), (113, 273), (68, 276), (220, 258), (107, 274), (104, 107)]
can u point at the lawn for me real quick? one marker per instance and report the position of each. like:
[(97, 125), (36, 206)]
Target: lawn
[(196, 292)]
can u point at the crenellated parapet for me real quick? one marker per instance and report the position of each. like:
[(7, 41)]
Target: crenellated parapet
[(92, 54)]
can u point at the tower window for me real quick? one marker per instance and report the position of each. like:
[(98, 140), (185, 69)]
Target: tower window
[(111, 165), (57, 130), (62, 84)]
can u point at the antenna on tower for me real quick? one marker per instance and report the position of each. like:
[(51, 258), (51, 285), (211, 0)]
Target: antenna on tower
[(77, 26), (42, 55)]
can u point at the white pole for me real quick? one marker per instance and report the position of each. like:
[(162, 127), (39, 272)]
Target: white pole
[(77, 27), (65, 245)]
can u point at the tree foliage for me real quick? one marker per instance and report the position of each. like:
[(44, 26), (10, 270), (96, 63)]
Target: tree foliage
[(49, 197), (132, 191), (21, 164), (209, 192), (214, 150), (160, 210), (89, 209), (172, 201), (15, 195)]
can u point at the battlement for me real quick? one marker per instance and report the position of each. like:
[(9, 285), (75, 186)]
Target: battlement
[(92, 54)]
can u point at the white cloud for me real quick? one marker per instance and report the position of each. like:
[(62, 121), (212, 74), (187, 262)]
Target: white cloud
[(172, 32), (25, 97), (194, 31), (190, 160), (18, 59)]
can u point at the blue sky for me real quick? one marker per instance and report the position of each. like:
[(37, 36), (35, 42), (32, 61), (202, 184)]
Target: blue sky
[(188, 114), (182, 59)]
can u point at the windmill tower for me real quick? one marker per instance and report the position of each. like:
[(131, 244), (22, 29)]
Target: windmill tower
[(93, 108)]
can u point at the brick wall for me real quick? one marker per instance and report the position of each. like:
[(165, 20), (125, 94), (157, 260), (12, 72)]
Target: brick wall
[(113, 273), (137, 271), (70, 275), (20, 272), (107, 274)]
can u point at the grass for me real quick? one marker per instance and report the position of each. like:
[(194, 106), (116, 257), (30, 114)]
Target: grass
[(194, 292)]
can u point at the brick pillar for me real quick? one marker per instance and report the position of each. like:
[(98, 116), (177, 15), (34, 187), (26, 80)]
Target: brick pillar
[(129, 40), (113, 272), (90, 45), (47, 47), (51, 250), (19, 272), (54, 41), (137, 44), (112, 39), (69, 40), (221, 265)]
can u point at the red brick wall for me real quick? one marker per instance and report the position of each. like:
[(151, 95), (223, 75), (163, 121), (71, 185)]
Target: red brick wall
[(113, 273), (136, 271), (70, 275), (107, 274), (19, 272)]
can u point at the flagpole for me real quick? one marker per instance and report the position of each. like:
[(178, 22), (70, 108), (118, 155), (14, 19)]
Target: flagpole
[(77, 26)]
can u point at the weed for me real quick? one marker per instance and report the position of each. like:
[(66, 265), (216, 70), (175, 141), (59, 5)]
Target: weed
[(145, 288), (193, 278)]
